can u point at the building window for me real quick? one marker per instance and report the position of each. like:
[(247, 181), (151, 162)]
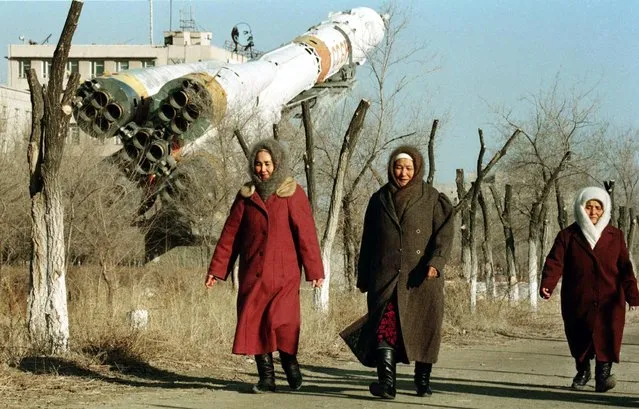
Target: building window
[(97, 68), (123, 66), (73, 66), (46, 68), (25, 67), (74, 134), (148, 63)]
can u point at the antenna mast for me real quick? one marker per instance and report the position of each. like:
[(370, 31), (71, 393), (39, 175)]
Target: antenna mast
[(151, 22)]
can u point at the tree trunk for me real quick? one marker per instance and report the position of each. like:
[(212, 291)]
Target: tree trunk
[(622, 221), (473, 277), (562, 214), (350, 244), (309, 160), (513, 284), (242, 142), (543, 245), (609, 185), (464, 214), (321, 295), (487, 249), (533, 240), (472, 246), (47, 315), (107, 275), (431, 153)]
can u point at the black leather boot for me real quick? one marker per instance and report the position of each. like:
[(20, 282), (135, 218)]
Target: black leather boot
[(385, 385), (292, 369), (583, 374), (267, 374), (604, 380), (422, 378)]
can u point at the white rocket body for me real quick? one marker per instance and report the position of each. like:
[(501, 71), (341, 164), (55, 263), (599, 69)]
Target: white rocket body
[(257, 97)]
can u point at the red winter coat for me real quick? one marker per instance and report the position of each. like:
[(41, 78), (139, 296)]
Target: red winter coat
[(597, 284), (273, 240)]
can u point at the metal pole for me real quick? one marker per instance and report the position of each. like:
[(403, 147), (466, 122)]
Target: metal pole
[(151, 22)]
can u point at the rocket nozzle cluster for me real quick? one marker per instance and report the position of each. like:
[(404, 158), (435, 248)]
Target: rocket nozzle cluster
[(149, 147), (97, 111)]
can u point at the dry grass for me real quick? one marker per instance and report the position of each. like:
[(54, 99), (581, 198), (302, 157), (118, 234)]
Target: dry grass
[(190, 324)]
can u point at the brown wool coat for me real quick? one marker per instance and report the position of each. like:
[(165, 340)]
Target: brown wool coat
[(273, 241), (597, 284), (395, 255)]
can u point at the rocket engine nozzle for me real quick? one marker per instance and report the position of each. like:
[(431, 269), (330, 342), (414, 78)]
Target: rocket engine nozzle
[(157, 150)]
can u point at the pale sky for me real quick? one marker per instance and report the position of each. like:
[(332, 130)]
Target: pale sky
[(492, 52)]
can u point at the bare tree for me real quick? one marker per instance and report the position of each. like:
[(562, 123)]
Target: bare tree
[(467, 206), (47, 315), (321, 295), (474, 191)]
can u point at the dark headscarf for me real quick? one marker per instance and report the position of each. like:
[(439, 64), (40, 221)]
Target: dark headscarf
[(402, 196), (280, 164)]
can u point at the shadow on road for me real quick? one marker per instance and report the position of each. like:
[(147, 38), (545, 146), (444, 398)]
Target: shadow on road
[(325, 380), (137, 373), (329, 382)]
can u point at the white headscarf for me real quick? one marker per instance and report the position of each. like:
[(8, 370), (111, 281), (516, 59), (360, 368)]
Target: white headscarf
[(592, 232)]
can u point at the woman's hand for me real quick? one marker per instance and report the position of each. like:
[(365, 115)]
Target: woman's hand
[(317, 283), (432, 273), (210, 281), (545, 293)]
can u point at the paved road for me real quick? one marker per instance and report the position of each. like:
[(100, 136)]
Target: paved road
[(522, 373)]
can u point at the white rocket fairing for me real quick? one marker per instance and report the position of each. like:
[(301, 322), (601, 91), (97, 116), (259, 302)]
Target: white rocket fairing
[(190, 105)]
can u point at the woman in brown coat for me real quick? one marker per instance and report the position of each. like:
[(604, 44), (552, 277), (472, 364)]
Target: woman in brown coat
[(271, 229), (598, 281), (406, 241)]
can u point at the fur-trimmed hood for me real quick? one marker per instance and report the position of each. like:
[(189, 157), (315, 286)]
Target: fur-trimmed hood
[(280, 173)]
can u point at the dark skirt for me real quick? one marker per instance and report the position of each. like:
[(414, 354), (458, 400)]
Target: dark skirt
[(365, 335)]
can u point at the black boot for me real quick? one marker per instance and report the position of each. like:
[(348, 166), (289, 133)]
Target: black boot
[(267, 374), (292, 369), (385, 385), (604, 380), (583, 374), (422, 378)]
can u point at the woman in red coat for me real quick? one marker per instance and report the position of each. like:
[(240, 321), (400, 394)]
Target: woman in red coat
[(598, 281), (271, 228)]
